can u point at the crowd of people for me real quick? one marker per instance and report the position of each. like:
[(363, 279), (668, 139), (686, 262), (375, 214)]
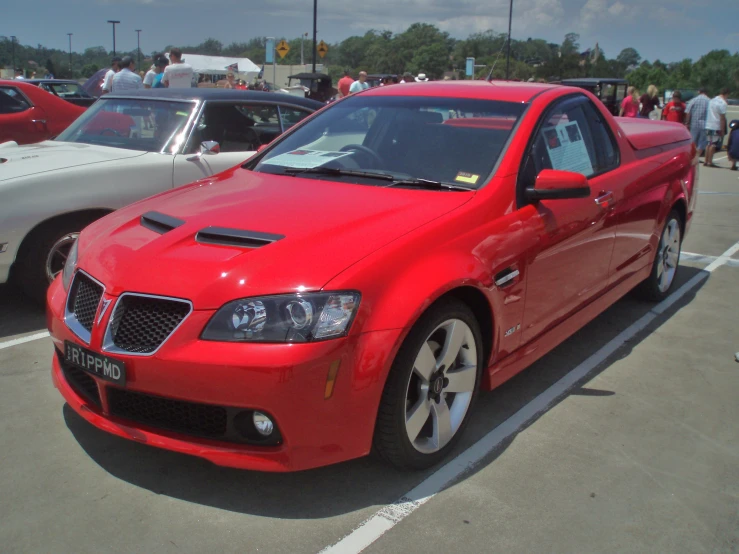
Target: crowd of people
[(163, 73), (347, 85), (704, 116)]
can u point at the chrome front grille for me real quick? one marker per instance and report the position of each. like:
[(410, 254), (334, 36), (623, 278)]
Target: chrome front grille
[(141, 323), (82, 305)]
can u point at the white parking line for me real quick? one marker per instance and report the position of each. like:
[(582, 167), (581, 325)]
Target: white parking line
[(389, 516), (703, 259), (29, 338)]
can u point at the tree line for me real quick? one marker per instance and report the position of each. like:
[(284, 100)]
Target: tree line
[(424, 48)]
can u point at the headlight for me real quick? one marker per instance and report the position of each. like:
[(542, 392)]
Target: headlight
[(69, 266), (284, 318)]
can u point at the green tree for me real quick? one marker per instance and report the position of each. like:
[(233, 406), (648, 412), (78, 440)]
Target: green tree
[(628, 57)]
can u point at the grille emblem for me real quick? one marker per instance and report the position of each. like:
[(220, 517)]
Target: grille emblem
[(106, 303)]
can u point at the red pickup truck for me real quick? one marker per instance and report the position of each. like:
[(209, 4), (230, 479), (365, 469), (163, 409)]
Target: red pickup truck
[(355, 284)]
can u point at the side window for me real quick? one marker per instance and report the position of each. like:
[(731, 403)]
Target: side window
[(236, 127), (564, 142), (291, 116), (11, 101), (606, 148)]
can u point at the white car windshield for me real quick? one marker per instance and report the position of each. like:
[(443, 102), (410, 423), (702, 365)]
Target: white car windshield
[(134, 124), (445, 140)]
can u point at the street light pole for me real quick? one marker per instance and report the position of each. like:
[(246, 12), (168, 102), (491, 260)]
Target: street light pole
[(70, 55), (315, 19), (138, 48), (508, 54), (114, 23), (12, 44)]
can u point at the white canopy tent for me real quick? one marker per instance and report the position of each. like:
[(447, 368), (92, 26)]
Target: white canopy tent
[(218, 65)]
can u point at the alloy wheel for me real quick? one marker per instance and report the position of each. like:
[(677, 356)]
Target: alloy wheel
[(441, 386), (669, 255), (57, 256)]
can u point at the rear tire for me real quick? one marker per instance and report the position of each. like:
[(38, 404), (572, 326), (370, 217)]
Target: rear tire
[(660, 282), (44, 253), (431, 388)]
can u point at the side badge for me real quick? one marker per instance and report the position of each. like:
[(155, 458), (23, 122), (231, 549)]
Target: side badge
[(512, 330)]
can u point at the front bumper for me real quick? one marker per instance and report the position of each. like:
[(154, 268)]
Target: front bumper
[(287, 381)]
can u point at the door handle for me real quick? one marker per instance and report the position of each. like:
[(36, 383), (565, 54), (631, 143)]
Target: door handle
[(41, 121), (604, 199)]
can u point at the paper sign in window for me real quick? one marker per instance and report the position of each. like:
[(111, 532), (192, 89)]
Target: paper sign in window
[(567, 149), (305, 159)]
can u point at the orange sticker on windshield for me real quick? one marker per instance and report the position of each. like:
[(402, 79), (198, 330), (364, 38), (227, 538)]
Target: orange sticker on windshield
[(469, 178)]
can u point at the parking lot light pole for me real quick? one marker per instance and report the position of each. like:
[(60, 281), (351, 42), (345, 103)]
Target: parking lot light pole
[(70, 55), (508, 55), (315, 46), (138, 48), (114, 23)]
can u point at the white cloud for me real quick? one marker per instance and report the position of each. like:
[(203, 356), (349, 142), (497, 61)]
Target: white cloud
[(594, 11)]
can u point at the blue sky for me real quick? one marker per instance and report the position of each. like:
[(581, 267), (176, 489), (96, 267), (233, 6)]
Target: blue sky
[(670, 30)]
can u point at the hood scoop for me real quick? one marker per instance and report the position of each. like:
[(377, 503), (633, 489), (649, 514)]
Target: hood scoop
[(236, 237), (160, 223)]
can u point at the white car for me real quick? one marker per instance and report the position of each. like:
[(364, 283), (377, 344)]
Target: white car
[(124, 148)]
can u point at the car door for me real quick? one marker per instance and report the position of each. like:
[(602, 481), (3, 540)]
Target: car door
[(572, 240), (20, 120), (239, 129)]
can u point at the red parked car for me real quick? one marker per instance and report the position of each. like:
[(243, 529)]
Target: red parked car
[(29, 114), (357, 282)]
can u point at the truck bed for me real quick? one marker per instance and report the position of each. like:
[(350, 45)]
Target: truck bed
[(645, 133)]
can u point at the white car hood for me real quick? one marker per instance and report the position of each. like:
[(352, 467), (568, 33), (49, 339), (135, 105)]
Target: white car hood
[(22, 161)]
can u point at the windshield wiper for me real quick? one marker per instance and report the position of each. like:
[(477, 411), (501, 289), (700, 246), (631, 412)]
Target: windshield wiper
[(418, 182), (339, 172)]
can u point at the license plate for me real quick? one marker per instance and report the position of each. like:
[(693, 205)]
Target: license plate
[(99, 365)]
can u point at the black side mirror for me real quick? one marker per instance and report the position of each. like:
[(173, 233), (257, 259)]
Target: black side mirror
[(554, 184)]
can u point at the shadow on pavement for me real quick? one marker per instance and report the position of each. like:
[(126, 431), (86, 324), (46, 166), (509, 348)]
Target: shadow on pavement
[(365, 482), (18, 314)]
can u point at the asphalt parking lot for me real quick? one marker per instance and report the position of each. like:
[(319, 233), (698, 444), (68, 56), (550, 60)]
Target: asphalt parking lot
[(624, 439)]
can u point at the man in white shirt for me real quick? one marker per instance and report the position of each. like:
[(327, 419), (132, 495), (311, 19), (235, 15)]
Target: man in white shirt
[(360, 84), (108, 80), (715, 125), (152, 73), (126, 79), (177, 74), (19, 74)]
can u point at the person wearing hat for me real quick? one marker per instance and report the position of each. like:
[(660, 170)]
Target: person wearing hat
[(108, 80), (421, 78), (126, 78)]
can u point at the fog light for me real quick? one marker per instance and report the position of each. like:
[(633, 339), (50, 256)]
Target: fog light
[(263, 424)]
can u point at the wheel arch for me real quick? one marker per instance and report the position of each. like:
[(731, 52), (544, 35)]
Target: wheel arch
[(88, 215), (681, 207)]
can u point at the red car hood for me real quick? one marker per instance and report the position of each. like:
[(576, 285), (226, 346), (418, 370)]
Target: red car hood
[(327, 226)]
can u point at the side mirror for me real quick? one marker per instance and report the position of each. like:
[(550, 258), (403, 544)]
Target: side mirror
[(554, 184), (207, 147)]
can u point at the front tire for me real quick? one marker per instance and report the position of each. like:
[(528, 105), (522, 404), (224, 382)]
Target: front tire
[(431, 388), (664, 269), (44, 254)]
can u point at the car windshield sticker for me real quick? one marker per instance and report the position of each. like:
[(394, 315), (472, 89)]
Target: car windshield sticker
[(464, 177), (305, 159), (567, 149)]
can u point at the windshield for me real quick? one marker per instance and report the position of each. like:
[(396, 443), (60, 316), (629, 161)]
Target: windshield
[(66, 90), (134, 124), (449, 140)]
